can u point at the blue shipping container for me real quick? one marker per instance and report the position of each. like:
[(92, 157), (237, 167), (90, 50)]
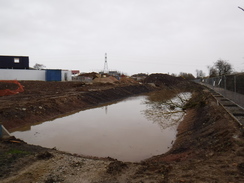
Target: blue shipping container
[(53, 75)]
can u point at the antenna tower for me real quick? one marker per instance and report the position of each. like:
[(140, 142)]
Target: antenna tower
[(105, 70)]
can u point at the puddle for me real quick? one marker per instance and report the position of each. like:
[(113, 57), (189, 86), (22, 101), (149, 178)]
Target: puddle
[(131, 130)]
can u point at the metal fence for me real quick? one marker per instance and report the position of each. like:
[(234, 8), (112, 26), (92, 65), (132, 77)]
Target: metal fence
[(230, 86)]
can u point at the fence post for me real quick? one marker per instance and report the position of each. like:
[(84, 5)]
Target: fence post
[(235, 83), (224, 82), (1, 130)]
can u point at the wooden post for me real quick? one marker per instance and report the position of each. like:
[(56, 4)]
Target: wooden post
[(1, 131)]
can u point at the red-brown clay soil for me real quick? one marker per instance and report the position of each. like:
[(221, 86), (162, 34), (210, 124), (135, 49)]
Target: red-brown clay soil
[(209, 145)]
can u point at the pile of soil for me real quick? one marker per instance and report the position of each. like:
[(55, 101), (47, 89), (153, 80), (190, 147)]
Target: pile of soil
[(109, 79), (161, 80), (127, 80), (92, 75)]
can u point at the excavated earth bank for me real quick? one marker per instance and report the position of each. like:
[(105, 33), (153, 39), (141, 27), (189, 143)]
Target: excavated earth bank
[(209, 145), (42, 101)]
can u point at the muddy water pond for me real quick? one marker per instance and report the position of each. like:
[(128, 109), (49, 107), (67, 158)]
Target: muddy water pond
[(130, 130)]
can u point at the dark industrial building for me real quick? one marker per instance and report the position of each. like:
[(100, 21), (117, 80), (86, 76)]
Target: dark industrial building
[(14, 62)]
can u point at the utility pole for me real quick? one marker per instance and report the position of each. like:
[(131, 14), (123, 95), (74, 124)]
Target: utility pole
[(105, 70)]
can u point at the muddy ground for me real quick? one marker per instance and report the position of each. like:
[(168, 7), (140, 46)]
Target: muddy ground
[(209, 145)]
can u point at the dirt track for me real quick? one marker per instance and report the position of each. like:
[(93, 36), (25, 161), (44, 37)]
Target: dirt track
[(209, 147)]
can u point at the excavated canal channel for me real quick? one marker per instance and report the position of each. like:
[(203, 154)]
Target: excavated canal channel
[(130, 130)]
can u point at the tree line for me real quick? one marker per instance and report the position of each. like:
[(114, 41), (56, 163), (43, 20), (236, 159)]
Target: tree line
[(219, 68)]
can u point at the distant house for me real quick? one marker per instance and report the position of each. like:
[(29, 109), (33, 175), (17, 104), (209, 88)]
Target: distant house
[(75, 72), (14, 62), (17, 68)]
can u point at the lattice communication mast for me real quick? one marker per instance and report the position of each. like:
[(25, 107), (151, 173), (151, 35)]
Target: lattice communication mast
[(105, 70)]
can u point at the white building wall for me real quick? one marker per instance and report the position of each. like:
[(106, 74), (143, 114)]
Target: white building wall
[(66, 75), (19, 74), (26, 74)]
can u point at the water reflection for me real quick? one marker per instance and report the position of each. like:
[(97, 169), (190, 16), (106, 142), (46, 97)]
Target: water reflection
[(118, 130), (166, 114)]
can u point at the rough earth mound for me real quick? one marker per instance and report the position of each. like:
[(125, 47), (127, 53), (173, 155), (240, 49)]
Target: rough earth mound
[(161, 80)]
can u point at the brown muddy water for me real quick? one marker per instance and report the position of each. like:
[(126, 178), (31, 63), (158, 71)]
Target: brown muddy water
[(131, 130)]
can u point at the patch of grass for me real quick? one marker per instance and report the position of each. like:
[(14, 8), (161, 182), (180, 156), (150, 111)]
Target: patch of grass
[(8, 158), (16, 152)]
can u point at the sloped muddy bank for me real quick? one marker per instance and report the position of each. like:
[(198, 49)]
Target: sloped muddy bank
[(35, 105)]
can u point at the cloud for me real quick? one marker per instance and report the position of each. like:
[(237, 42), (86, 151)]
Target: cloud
[(77, 33)]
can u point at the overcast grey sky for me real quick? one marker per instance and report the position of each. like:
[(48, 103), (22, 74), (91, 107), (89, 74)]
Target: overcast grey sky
[(150, 36)]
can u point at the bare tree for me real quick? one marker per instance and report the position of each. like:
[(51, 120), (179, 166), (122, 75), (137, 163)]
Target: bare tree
[(200, 73), (223, 67), (212, 71), (39, 66)]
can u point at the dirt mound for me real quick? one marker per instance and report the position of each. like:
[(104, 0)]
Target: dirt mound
[(127, 80), (92, 75), (163, 80), (109, 79), (52, 87)]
